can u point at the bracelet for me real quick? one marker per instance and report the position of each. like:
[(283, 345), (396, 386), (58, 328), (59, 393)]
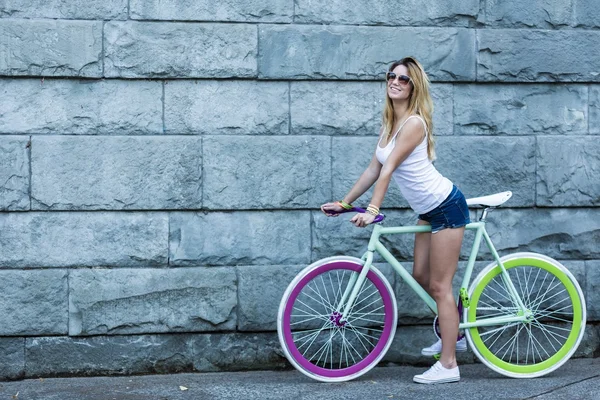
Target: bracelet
[(373, 210), (345, 205), (374, 207)]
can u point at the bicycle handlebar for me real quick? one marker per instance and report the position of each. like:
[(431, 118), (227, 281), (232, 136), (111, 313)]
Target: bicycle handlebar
[(378, 218)]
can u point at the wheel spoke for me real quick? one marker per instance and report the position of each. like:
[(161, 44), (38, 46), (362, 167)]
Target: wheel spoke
[(371, 303), (533, 286), (543, 293), (556, 318), (555, 304), (519, 281), (309, 307), (535, 340), (309, 331), (535, 306), (362, 301), (309, 319), (360, 336), (540, 292), (326, 293), (339, 294), (515, 343), (326, 305), (545, 332), (354, 329), (501, 294)]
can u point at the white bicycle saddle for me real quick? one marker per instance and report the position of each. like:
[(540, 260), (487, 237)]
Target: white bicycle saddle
[(493, 200)]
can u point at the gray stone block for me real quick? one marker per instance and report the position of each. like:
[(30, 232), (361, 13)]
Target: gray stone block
[(179, 50), (64, 9), (568, 171), (81, 107), (12, 358), (62, 48), (334, 108), (14, 174), (354, 108), (408, 342), (592, 289), (347, 52), (594, 118), (107, 355), (381, 12), (570, 234), (241, 238), (235, 352), (587, 13), (337, 236), (578, 269), (206, 10), (33, 302), (350, 157), (134, 301), (76, 239), (260, 291), (227, 107), (495, 164), (443, 109), (590, 343), (546, 14), (243, 172), (513, 55), (520, 109), (116, 173)]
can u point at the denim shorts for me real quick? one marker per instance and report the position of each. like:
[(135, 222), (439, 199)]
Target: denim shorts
[(452, 213)]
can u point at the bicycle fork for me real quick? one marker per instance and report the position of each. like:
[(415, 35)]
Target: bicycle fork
[(353, 287)]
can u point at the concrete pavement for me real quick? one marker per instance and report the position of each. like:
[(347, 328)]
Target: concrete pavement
[(577, 379)]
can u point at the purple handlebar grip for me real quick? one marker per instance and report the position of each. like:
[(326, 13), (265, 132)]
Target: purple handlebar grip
[(378, 218)]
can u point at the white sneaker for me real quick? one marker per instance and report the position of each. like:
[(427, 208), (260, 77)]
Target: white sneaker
[(438, 374), (436, 348)]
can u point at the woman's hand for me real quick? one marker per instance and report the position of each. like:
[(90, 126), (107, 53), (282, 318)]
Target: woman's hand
[(332, 209), (362, 219)]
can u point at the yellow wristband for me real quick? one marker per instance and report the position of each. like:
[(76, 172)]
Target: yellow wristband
[(373, 211)]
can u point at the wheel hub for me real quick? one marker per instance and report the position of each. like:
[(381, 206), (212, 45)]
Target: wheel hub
[(336, 319), (529, 316)]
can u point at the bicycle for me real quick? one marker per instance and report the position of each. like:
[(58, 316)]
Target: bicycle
[(523, 315)]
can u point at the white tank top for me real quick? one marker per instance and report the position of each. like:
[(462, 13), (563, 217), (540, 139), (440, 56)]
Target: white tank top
[(420, 183)]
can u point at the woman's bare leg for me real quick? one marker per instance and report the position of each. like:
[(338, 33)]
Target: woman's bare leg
[(443, 258), (421, 252)]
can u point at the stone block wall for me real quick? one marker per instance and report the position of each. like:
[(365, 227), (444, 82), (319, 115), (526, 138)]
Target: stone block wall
[(163, 162)]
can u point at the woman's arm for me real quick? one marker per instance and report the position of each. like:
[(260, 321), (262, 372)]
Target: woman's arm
[(364, 182), (407, 140)]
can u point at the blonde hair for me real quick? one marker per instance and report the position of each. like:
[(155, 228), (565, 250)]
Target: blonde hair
[(419, 103)]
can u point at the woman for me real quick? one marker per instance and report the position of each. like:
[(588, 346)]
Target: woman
[(405, 151)]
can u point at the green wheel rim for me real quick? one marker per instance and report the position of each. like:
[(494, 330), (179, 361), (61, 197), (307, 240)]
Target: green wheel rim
[(571, 339)]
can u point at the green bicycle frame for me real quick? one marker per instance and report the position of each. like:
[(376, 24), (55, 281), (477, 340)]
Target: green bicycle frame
[(375, 245)]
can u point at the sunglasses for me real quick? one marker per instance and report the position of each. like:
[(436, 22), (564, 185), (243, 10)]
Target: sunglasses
[(402, 79)]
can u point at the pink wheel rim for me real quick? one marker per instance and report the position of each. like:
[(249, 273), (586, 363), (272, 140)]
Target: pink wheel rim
[(385, 335)]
